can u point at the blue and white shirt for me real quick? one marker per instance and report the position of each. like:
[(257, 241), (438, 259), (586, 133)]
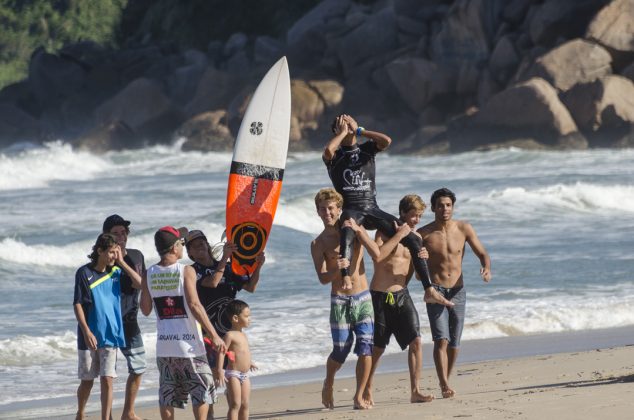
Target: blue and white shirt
[(99, 294)]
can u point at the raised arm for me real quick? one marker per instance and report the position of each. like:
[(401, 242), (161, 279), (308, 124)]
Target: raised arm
[(134, 276), (146, 299), (382, 140), (213, 280), (255, 277), (197, 310), (387, 247), (479, 250), (364, 238), (341, 131)]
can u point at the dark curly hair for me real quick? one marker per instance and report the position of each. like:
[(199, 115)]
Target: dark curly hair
[(443, 192), (104, 242)]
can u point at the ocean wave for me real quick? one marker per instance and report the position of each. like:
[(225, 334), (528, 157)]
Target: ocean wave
[(24, 350), (579, 197), (55, 161)]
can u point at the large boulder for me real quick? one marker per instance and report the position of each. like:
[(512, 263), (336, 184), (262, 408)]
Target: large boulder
[(207, 131), (144, 108), (114, 135), (613, 26), (467, 32), (365, 43), (182, 82), (504, 59), (307, 38), (529, 110), (17, 126), (604, 108), (310, 100), (576, 61), (416, 80), (53, 79), (215, 90), (556, 19)]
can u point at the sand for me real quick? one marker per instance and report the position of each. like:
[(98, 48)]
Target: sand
[(595, 384)]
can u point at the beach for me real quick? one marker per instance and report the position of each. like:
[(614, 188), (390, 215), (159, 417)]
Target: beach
[(558, 286), (576, 375)]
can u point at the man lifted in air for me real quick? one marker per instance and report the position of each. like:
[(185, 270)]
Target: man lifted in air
[(351, 168)]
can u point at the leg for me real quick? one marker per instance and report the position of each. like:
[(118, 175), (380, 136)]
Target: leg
[(452, 356), (415, 364), (83, 393), (377, 352), (234, 398), (167, 412), (327, 397), (200, 411), (345, 244), (106, 397), (441, 362), (244, 403), (364, 365), (131, 389)]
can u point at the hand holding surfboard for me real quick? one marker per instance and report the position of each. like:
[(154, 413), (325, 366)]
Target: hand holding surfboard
[(257, 167)]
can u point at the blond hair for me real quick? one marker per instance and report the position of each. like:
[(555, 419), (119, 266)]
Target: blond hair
[(328, 194), (411, 202)]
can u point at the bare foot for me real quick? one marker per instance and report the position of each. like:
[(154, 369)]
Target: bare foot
[(347, 283), (367, 398), (327, 398), (418, 397), (432, 296), (360, 405), (447, 392), (132, 417)]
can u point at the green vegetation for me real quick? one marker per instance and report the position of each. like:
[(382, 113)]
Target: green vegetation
[(28, 24)]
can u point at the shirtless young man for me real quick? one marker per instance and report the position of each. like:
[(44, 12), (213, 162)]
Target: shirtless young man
[(445, 241), (394, 310), (352, 170), (350, 309)]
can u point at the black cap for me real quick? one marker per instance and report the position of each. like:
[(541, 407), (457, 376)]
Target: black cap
[(114, 220), (166, 237)]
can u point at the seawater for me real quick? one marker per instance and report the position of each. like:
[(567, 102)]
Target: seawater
[(558, 227)]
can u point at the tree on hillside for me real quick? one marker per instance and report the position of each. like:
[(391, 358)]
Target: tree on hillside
[(28, 24)]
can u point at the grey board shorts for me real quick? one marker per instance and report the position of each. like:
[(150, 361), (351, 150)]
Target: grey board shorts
[(447, 323)]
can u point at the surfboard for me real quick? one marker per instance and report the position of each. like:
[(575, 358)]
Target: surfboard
[(257, 167)]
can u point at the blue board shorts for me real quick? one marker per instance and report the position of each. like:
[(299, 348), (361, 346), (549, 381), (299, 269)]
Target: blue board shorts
[(135, 354), (351, 316), (447, 323)]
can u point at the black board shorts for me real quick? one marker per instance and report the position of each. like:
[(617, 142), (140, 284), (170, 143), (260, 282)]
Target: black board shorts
[(394, 313)]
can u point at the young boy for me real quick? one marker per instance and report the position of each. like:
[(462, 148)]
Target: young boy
[(351, 313), (169, 288), (236, 377), (99, 323)]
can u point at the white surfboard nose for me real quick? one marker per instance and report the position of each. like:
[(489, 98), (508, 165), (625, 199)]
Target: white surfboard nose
[(265, 128)]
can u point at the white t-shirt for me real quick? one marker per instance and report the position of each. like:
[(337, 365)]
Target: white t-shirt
[(178, 334)]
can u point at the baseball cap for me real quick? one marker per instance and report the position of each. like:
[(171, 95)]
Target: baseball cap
[(112, 221), (195, 234), (166, 237)]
